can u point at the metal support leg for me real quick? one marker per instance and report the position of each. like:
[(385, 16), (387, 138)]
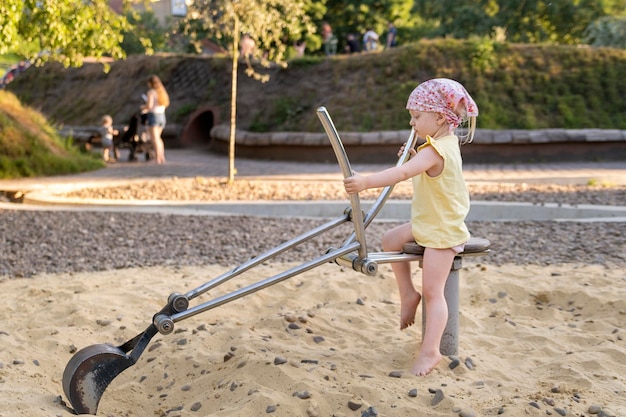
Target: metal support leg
[(450, 339)]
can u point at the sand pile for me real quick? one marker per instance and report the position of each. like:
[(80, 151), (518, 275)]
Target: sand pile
[(534, 341), (542, 321)]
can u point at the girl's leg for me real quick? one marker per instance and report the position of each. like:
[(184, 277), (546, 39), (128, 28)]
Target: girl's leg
[(392, 241), (435, 270)]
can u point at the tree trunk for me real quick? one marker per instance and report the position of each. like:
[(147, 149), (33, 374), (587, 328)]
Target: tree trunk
[(233, 105)]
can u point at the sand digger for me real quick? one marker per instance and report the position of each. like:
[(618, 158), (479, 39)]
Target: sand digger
[(91, 370)]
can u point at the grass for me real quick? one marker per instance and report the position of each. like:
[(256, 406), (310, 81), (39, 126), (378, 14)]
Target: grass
[(516, 86), (6, 61), (31, 147)]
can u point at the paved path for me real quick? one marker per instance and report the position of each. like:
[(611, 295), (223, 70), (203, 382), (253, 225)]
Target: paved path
[(186, 163)]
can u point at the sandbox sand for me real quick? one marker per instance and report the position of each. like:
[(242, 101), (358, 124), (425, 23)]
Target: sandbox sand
[(542, 341)]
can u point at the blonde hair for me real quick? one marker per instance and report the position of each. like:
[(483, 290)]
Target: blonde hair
[(468, 125), (163, 99), (107, 120), (471, 130)]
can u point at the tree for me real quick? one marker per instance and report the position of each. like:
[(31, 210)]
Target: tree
[(145, 35), (61, 30), (273, 25), (560, 21)]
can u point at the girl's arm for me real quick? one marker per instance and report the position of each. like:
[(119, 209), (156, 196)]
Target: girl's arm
[(425, 159)]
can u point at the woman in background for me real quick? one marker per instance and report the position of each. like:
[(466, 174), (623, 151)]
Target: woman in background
[(156, 103)]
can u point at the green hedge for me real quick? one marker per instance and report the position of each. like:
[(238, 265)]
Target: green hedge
[(516, 86)]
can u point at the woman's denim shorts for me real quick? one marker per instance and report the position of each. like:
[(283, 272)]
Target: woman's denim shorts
[(156, 119)]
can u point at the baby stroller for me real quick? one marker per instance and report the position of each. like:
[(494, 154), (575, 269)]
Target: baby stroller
[(135, 137)]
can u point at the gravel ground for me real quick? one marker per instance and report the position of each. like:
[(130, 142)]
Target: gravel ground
[(36, 242), (216, 189)]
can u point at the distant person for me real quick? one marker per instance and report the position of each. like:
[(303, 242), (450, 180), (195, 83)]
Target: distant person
[(330, 40), (106, 134), (22, 66), (352, 45), (392, 36), (246, 47), (156, 103), (370, 40), (9, 76), (440, 205), (299, 46)]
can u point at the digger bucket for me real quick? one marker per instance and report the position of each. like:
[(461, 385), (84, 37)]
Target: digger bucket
[(90, 371)]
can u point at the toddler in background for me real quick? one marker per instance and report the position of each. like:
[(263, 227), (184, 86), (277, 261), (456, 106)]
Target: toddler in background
[(106, 133)]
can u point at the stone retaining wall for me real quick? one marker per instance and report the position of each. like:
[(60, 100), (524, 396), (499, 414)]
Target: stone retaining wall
[(489, 146), (483, 136)]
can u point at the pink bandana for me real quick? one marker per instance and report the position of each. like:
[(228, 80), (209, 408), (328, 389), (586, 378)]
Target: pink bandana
[(441, 95)]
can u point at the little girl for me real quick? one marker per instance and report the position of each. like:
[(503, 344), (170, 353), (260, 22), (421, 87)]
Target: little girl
[(106, 133), (440, 205)]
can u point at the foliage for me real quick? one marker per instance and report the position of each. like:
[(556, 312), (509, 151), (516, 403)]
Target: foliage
[(7, 61), (192, 33), (306, 61), (183, 111), (607, 31), (30, 147), (145, 34), (284, 111), (534, 21), (62, 30), (531, 21), (272, 24)]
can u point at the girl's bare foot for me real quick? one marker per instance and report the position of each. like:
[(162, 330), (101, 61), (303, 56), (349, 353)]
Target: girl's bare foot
[(408, 308), (425, 363)]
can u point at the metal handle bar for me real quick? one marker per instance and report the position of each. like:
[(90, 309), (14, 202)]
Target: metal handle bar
[(216, 302), (344, 163), (333, 255), (265, 256)]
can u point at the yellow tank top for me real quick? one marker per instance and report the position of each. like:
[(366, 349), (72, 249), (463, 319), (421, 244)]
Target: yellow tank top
[(440, 204)]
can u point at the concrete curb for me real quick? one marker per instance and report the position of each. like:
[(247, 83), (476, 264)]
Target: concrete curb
[(393, 210)]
